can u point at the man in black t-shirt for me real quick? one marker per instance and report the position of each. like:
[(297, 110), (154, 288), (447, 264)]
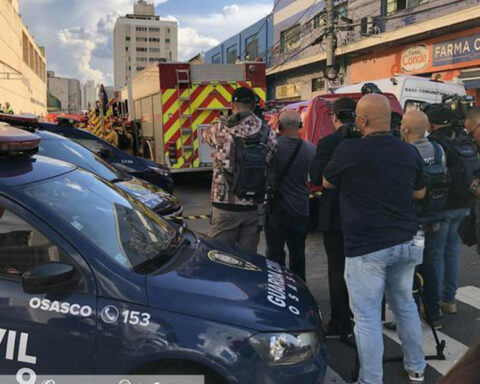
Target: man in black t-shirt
[(378, 176)]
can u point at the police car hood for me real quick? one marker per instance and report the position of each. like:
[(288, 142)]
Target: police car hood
[(223, 284)]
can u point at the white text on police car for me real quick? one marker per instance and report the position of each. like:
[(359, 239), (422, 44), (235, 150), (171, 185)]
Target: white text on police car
[(61, 307)]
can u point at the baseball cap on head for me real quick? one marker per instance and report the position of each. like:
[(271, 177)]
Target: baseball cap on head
[(243, 95), (439, 114)]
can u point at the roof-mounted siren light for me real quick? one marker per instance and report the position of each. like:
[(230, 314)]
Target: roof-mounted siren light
[(14, 141)]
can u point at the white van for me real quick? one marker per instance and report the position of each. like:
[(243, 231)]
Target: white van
[(411, 91)]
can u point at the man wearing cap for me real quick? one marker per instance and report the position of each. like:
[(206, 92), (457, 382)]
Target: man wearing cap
[(445, 254), (339, 325), (235, 220)]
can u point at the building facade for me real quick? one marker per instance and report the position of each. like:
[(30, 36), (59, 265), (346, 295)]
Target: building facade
[(89, 94), (67, 91), (250, 44), (23, 77), (374, 39), (141, 39)]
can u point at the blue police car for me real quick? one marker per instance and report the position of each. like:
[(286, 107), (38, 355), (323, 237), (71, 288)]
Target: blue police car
[(92, 282), (139, 167), (155, 198)]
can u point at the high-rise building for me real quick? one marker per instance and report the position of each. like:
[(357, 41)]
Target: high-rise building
[(67, 91), (89, 94), (140, 39), (23, 77)]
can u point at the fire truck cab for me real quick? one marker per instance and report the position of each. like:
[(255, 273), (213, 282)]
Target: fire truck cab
[(175, 102)]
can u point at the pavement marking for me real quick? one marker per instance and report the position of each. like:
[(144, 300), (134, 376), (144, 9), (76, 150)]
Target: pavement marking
[(333, 377), (469, 295), (454, 350)]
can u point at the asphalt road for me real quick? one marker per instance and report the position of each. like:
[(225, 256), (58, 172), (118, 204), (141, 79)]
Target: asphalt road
[(459, 331)]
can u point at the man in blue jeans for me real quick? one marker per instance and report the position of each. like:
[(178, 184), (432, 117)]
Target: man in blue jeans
[(442, 254), (378, 176)]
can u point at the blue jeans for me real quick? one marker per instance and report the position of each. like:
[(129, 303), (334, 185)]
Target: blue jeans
[(440, 267), (367, 277)]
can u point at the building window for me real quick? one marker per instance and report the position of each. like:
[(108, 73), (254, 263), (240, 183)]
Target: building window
[(319, 20), (341, 10), (167, 41), (154, 39), (290, 39), (154, 49), (398, 5), (216, 59), (141, 58), (142, 39), (142, 49), (153, 29), (232, 54), (127, 38), (168, 30), (251, 47), (141, 29), (126, 48), (25, 47), (140, 68), (318, 84)]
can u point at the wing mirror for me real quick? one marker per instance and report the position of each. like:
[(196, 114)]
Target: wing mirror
[(50, 277)]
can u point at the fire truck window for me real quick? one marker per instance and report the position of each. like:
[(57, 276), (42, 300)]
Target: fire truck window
[(22, 247)]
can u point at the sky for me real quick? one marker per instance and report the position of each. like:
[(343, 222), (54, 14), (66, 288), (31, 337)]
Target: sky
[(78, 34)]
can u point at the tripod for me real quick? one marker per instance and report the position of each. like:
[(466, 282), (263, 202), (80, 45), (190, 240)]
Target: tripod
[(418, 283)]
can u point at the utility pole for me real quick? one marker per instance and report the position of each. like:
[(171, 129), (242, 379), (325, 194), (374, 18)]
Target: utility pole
[(330, 33)]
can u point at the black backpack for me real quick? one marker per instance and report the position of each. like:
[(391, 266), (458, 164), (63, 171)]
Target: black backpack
[(249, 177), (463, 164), (437, 181)]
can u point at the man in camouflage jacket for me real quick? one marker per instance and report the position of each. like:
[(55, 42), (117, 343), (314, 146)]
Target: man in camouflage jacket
[(234, 219)]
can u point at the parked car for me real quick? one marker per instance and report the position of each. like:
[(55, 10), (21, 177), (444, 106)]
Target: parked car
[(92, 282), (155, 198), (139, 167)]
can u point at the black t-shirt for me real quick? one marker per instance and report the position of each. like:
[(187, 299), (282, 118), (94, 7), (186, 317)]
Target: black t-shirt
[(376, 177)]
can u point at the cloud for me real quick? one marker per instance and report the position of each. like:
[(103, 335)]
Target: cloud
[(78, 35)]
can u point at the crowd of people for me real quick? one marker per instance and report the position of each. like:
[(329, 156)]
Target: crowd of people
[(391, 207)]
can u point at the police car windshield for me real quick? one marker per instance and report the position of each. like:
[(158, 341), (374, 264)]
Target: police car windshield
[(122, 228), (74, 153)]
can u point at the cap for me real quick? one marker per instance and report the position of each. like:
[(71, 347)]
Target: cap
[(344, 104), (439, 114), (243, 95)]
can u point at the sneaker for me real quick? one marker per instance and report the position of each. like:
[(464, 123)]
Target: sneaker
[(333, 332), (449, 307), (433, 323), (416, 377)]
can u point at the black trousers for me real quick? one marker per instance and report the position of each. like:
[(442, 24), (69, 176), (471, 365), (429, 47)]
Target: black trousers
[(339, 303), (293, 231)]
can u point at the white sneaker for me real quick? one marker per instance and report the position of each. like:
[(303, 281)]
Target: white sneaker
[(416, 377)]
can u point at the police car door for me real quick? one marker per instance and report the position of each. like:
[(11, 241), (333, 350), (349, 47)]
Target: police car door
[(42, 333)]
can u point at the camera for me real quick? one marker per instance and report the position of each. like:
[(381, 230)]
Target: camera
[(459, 105)]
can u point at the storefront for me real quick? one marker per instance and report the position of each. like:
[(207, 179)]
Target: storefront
[(449, 57)]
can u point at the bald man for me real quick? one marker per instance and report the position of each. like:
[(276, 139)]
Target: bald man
[(378, 176), (290, 221)]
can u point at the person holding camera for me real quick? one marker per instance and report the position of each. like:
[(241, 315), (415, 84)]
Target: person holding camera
[(340, 324), (377, 177), (463, 164), (288, 199), (413, 129)]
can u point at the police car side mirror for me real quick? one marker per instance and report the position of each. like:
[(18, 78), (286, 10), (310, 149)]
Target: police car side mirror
[(50, 277), (105, 153)]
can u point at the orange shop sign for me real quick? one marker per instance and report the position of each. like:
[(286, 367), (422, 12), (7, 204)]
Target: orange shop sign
[(415, 58)]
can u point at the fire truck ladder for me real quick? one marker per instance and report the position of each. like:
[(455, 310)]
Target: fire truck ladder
[(186, 116)]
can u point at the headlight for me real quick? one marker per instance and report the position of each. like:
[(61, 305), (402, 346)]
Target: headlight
[(286, 348), (161, 171)]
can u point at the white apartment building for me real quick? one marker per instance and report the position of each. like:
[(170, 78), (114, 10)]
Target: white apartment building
[(141, 39), (67, 91), (89, 94), (23, 75)]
